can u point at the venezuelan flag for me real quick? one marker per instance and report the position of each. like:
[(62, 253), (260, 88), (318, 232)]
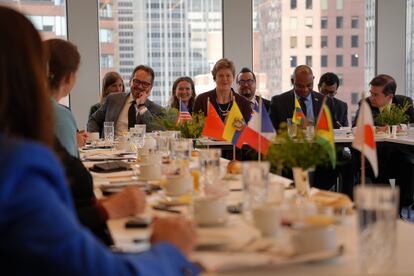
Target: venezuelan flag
[(299, 117), (324, 133), (234, 124)]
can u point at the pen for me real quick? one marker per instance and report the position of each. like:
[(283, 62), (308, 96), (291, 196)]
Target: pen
[(162, 208)]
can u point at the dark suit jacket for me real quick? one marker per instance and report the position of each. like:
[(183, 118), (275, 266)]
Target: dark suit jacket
[(265, 102), (282, 106), (110, 110), (200, 104), (340, 112), (398, 100)]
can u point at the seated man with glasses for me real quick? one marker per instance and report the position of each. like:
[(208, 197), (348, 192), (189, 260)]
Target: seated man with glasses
[(394, 160), (328, 85), (128, 109), (246, 86)]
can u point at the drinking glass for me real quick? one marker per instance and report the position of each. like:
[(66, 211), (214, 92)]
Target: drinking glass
[(291, 128), (255, 183), (109, 132), (137, 135), (310, 132), (181, 149), (377, 216), (209, 167)]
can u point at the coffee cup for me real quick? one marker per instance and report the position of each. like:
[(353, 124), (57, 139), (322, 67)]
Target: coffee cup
[(210, 211), (178, 185), (306, 239), (150, 171), (267, 219)]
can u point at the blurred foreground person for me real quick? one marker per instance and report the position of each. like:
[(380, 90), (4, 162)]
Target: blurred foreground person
[(39, 231)]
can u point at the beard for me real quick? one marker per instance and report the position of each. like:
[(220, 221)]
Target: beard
[(247, 93)]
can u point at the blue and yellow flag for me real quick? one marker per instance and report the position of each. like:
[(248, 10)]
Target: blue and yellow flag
[(234, 124), (299, 117)]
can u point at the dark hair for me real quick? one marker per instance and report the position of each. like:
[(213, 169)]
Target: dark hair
[(245, 70), (109, 79), (386, 82), (223, 63), (146, 69), (25, 108), (63, 58), (329, 79), (174, 99)]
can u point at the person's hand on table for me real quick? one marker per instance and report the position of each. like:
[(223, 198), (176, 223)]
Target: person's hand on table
[(129, 202), (81, 137), (176, 230)]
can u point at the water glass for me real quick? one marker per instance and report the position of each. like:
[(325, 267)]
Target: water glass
[(181, 149), (255, 183), (109, 132), (377, 217), (292, 128), (209, 167), (310, 132), (137, 135)]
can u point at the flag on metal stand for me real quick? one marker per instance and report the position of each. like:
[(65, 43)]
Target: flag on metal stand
[(213, 126)]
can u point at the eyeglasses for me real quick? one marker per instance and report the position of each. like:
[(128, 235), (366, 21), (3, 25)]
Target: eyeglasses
[(376, 95), (329, 93), (144, 84), (246, 82)]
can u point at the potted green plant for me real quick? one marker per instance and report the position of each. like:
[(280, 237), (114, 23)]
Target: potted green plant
[(393, 116), (300, 153)]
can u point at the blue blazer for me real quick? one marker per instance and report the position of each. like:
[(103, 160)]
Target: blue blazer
[(40, 233)]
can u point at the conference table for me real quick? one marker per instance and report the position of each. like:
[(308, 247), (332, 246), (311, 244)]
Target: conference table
[(238, 257)]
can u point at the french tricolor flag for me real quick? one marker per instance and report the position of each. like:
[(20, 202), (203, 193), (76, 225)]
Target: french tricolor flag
[(259, 132)]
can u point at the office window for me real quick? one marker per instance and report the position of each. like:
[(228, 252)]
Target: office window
[(324, 22), (324, 61), (354, 97), (105, 10), (354, 60), (324, 4), (339, 22), (293, 4), (354, 41), (339, 4), (107, 61), (339, 61), (293, 42), (175, 38), (339, 41), (293, 23), (279, 49), (308, 4), (308, 60), (309, 22), (308, 42), (324, 41), (341, 79), (354, 22), (105, 35), (293, 61)]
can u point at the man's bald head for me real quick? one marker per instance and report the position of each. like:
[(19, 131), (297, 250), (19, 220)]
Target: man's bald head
[(302, 80)]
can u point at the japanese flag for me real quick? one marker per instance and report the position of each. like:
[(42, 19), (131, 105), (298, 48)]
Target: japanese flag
[(364, 140)]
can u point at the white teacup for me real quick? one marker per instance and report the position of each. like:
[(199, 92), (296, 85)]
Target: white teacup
[(151, 158), (308, 239), (210, 211), (178, 185), (93, 137), (150, 171), (267, 219)]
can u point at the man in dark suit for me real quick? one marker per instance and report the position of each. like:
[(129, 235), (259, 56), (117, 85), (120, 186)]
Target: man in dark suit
[(128, 109), (246, 86), (328, 86), (394, 160), (282, 106)]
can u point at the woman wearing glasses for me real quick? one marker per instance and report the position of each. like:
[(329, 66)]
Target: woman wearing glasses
[(40, 233), (222, 96)]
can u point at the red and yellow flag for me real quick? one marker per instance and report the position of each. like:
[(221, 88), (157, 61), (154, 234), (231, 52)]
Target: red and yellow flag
[(324, 133)]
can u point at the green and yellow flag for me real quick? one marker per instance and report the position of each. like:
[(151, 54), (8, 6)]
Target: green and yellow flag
[(324, 133)]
